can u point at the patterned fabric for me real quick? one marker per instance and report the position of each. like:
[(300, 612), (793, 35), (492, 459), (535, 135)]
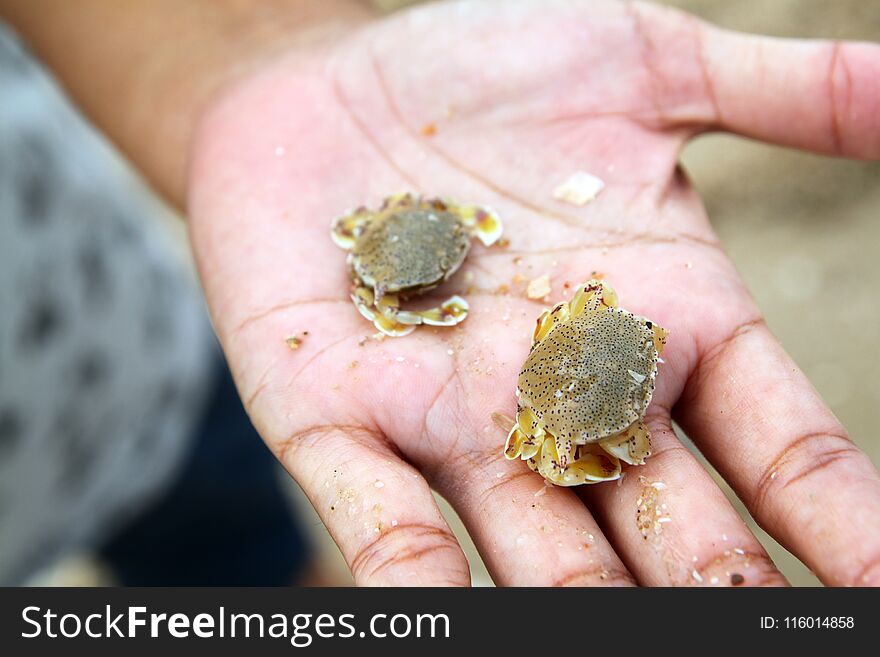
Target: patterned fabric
[(104, 344)]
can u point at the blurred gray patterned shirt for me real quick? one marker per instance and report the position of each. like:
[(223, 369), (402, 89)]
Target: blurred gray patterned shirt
[(104, 344)]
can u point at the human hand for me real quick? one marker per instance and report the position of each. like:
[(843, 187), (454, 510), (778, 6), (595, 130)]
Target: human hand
[(520, 95)]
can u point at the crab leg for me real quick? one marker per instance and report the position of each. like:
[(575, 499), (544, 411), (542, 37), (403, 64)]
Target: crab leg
[(548, 320), (402, 199), (660, 335), (592, 294), (347, 227), (388, 317), (451, 312), (380, 314), (525, 438), (564, 464), (484, 222), (513, 448), (519, 445), (558, 460), (632, 445)]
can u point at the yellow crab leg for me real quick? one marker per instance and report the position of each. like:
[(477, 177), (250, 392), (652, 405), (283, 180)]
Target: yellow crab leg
[(632, 445), (592, 294), (451, 312), (380, 314), (588, 465), (363, 298), (528, 421), (660, 335), (403, 199), (484, 221), (346, 228), (594, 465), (520, 445), (548, 319), (391, 320), (391, 327), (525, 438), (514, 445)]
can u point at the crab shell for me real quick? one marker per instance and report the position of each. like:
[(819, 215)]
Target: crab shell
[(410, 250), (408, 246), (584, 389)]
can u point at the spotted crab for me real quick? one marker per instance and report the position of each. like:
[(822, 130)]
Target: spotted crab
[(584, 389), (408, 246)]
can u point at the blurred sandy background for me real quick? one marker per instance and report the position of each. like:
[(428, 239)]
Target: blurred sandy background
[(799, 228)]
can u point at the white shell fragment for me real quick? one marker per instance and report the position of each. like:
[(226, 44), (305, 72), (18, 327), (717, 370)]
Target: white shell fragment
[(637, 377), (539, 287), (579, 189)]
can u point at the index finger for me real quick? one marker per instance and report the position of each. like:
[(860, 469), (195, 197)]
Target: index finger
[(821, 96), (817, 95)]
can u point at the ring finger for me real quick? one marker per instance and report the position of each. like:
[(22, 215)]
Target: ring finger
[(673, 526)]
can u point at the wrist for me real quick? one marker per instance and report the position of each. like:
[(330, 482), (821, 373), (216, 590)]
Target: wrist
[(193, 82), (145, 72)]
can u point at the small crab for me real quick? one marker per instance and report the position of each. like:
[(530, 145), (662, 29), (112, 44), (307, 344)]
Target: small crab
[(584, 389), (408, 246)]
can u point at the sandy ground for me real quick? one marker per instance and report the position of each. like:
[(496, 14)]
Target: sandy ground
[(799, 228)]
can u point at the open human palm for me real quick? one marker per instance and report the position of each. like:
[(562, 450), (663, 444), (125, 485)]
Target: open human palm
[(496, 104)]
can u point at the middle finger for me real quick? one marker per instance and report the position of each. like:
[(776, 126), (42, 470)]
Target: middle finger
[(529, 534)]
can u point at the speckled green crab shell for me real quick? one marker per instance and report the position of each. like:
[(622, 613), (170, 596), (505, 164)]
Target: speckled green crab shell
[(408, 246), (584, 389), (409, 251), (592, 375)]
